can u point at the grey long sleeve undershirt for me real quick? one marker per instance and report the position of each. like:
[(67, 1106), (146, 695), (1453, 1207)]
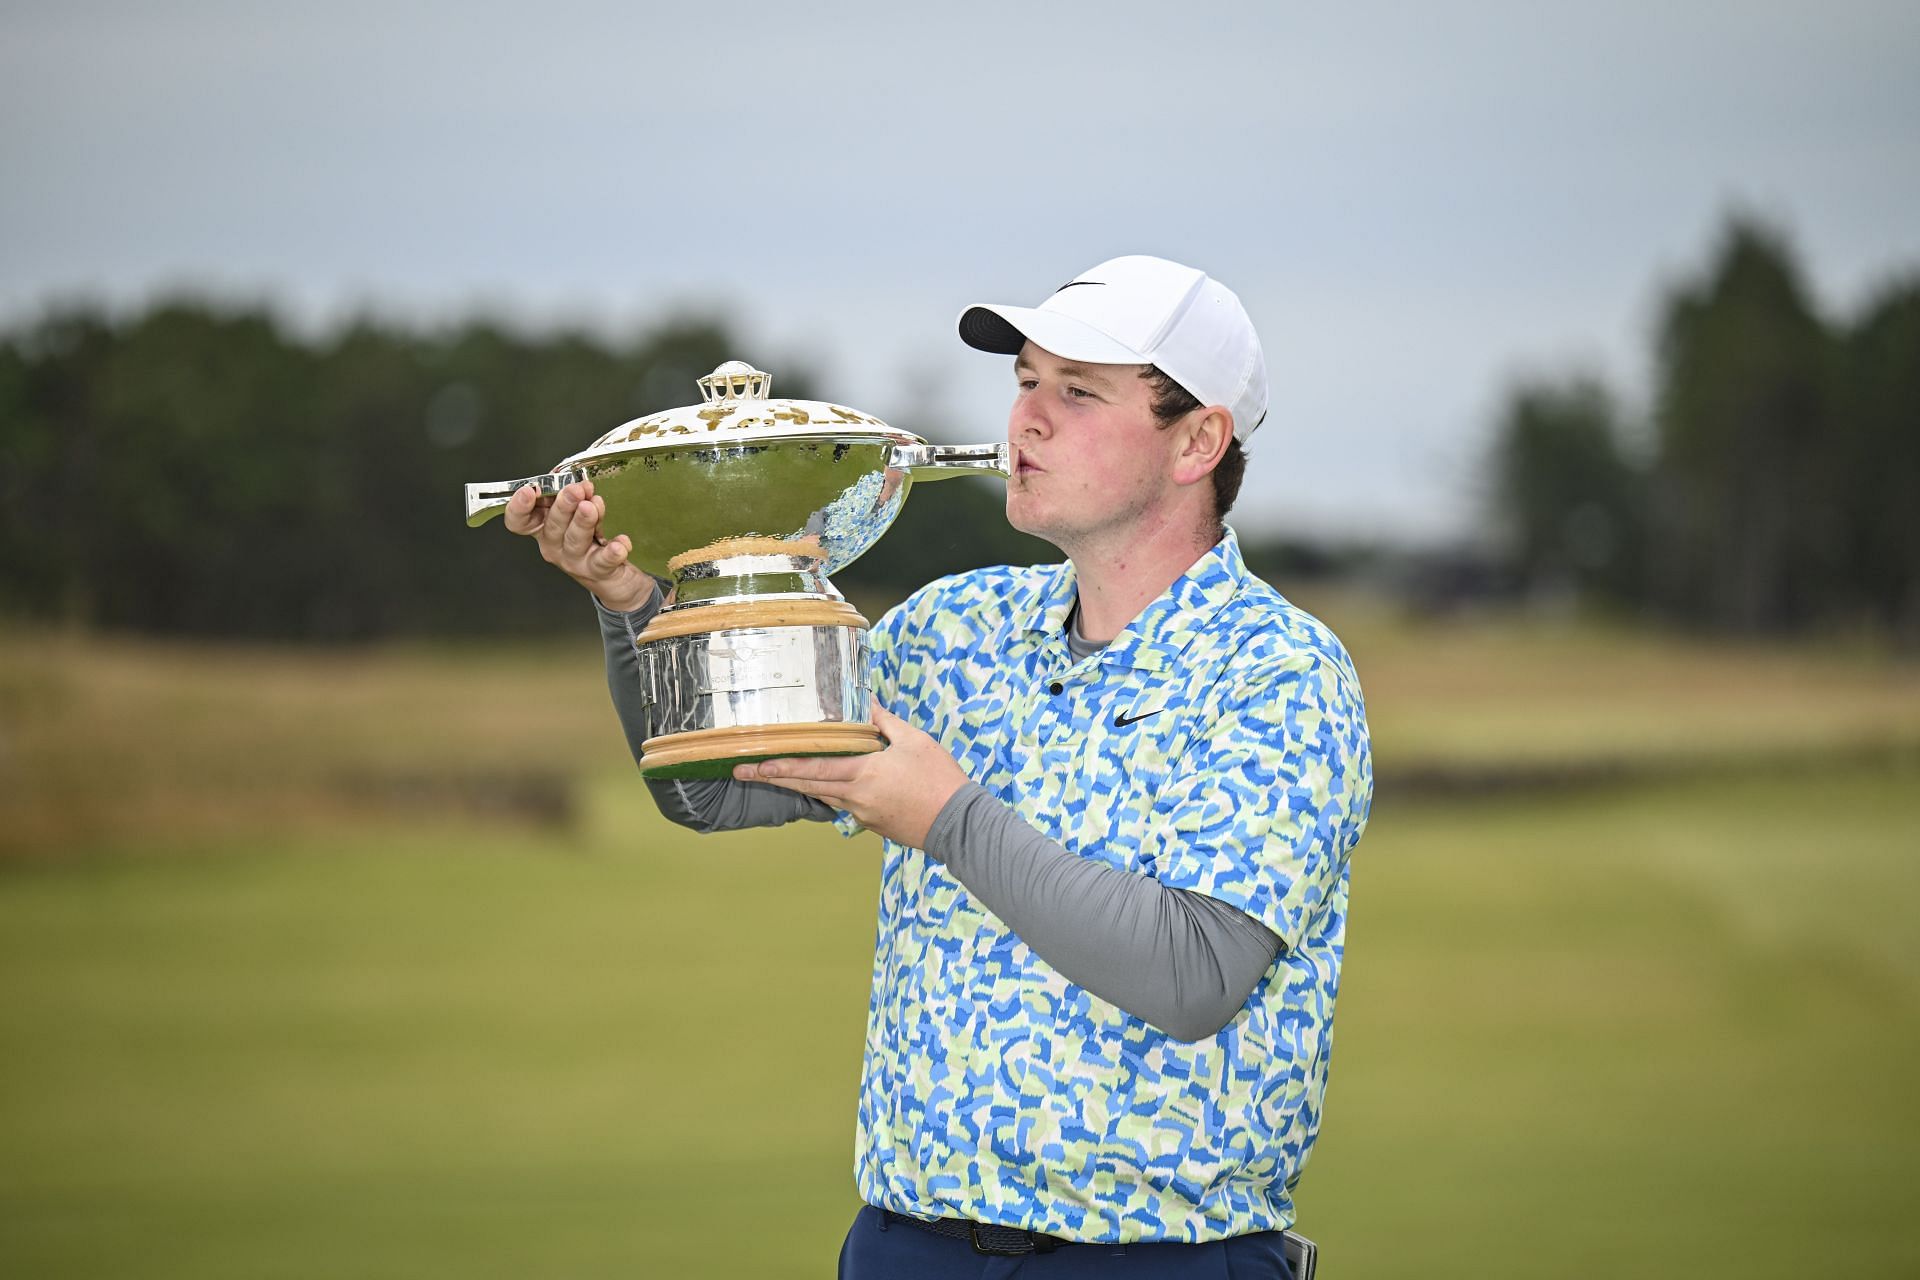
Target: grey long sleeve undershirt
[(1182, 961)]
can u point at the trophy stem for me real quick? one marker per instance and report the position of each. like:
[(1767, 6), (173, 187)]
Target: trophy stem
[(735, 615), (743, 567)]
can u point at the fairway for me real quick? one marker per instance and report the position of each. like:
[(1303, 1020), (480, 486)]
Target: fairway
[(380, 963), (1651, 1032)]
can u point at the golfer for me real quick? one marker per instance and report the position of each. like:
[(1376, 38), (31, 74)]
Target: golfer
[(1118, 799)]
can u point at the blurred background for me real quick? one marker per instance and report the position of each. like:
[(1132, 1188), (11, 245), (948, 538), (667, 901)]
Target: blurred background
[(337, 936)]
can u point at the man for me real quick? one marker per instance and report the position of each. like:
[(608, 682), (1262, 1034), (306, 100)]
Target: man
[(1118, 801)]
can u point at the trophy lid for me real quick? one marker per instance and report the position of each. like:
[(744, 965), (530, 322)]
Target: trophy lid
[(735, 408)]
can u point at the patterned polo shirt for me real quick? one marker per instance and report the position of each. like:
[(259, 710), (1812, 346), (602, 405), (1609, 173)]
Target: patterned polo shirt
[(1219, 745)]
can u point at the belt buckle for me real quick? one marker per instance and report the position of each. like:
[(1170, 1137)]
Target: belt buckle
[(979, 1246)]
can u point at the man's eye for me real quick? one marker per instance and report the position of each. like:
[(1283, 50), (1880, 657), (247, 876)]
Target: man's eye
[(1080, 393), (1027, 384)]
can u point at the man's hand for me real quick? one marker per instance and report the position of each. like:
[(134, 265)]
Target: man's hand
[(568, 532), (897, 791)]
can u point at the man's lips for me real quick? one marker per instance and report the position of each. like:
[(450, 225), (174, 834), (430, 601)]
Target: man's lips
[(1024, 463)]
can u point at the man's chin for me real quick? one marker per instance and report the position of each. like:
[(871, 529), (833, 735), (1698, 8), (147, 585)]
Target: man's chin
[(1027, 521), (1021, 516)]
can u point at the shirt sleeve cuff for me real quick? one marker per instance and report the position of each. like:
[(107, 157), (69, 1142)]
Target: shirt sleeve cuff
[(950, 824), (634, 620)]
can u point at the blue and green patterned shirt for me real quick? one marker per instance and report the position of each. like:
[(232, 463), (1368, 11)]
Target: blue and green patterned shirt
[(1219, 744)]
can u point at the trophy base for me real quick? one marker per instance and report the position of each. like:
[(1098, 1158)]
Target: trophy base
[(734, 681), (713, 753)]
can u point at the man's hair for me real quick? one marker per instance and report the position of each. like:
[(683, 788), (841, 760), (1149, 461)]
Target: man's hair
[(1171, 402)]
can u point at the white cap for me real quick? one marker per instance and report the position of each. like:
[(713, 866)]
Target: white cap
[(1140, 310)]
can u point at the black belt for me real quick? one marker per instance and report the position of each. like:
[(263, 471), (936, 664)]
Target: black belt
[(985, 1237)]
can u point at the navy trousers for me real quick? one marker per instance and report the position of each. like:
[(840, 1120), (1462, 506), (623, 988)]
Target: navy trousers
[(880, 1250)]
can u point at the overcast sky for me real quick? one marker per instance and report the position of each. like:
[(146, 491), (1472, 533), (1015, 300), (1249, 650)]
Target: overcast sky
[(1416, 202)]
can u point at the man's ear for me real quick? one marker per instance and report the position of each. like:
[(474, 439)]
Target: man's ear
[(1203, 442)]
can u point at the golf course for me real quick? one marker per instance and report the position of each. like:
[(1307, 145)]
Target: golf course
[(377, 962)]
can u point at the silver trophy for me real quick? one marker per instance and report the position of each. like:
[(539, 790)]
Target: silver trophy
[(746, 505)]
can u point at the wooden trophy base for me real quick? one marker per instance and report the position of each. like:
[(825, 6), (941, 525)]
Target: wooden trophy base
[(713, 753)]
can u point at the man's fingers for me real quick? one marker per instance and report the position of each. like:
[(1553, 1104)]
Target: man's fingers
[(559, 540), (524, 514), (827, 778), (891, 726), (826, 789), (578, 536), (560, 515), (841, 769), (610, 556)]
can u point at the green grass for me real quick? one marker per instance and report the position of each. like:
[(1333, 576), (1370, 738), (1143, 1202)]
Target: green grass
[(108, 740), (1657, 1032), (1660, 1032), (422, 1052), (1492, 693), (379, 963)]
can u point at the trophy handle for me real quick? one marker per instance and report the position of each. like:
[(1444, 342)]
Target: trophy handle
[(940, 461), (489, 498)]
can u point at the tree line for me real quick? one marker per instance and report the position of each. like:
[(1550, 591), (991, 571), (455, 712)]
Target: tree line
[(201, 469), (1773, 485)]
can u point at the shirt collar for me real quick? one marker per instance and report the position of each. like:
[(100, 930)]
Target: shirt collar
[(1043, 603), (1164, 628)]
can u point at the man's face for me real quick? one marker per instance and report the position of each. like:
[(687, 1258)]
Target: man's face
[(1089, 459)]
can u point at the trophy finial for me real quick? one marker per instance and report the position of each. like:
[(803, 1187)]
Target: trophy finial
[(735, 380)]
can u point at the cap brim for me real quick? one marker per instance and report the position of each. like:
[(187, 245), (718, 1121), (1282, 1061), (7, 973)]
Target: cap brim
[(1004, 330)]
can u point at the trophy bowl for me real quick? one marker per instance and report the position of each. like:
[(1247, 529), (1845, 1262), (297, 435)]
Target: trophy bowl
[(744, 505)]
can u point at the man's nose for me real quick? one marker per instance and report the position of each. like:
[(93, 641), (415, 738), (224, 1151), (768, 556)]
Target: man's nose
[(1027, 418)]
